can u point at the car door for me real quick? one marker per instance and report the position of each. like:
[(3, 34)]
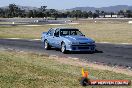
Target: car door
[(50, 37), (57, 39)]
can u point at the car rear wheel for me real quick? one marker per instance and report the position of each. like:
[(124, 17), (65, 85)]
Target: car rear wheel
[(63, 48), (46, 45)]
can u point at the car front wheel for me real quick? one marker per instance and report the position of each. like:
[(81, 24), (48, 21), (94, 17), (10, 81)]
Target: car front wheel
[(63, 48), (46, 45)]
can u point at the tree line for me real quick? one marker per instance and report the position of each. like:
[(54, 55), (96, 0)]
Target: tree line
[(14, 11)]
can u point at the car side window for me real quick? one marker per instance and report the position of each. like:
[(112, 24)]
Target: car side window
[(73, 33), (57, 31), (50, 32)]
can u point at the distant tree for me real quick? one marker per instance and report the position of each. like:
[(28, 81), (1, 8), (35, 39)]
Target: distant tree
[(76, 13), (112, 13), (21, 13), (95, 15), (128, 13), (68, 13), (6, 13), (72, 13), (63, 15), (35, 13), (121, 12), (1, 12), (13, 10), (85, 14), (54, 13), (102, 13), (90, 14), (30, 14), (47, 13), (42, 10), (97, 12)]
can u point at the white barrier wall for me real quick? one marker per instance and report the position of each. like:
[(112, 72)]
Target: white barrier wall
[(130, 22)]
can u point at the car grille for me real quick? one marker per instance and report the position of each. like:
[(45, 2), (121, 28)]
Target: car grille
[(82, 45), (91, 47)]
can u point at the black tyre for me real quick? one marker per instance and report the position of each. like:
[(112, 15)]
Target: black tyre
[(46, 45), (63, 48)]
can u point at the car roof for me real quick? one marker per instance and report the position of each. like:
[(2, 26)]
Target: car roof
[(63, 28)]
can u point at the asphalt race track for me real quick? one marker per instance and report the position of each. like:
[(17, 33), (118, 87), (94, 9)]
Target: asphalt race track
[(110, 54)]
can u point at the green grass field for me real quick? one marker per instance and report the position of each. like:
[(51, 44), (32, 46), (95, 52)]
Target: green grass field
[(100, 31), (31, 70)]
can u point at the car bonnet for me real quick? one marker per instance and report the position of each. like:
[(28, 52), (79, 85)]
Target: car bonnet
[(78, 38)]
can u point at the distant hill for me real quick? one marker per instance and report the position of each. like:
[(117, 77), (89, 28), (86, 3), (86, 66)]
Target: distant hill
[(107, 9), (27, 8)]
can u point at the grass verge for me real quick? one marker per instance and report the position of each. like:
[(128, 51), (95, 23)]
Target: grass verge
[(31, 70), (100, 31)]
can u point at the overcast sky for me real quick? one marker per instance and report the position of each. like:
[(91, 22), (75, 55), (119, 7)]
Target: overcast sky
[(65, 4)]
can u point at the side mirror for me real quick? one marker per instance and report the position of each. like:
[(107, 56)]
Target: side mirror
[(83, 35)]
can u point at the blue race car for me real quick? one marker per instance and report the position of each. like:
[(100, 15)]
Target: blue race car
[(67, 39)]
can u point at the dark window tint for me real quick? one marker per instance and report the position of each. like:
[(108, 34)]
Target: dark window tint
[(57, 31)]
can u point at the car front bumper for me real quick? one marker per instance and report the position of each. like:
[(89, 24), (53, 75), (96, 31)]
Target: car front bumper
[(80, 47)]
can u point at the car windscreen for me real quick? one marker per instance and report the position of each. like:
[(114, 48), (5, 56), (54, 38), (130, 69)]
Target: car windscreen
[(65, 32)]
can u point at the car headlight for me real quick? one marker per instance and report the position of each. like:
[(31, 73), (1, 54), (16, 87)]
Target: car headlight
[(93, 43), (69, 43), (73, 43)]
